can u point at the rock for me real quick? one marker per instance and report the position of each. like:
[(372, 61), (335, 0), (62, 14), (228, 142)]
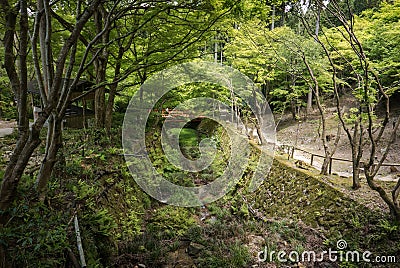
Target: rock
[(179, 258), (194, 249), (393, 169), (330, 137), (255, 244), (301, 164)]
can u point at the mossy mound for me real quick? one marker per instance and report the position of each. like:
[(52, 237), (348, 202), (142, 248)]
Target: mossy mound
[(298, 194)]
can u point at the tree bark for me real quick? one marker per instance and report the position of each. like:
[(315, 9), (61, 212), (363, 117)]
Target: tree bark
[(54, 141), (272, 18), (113, 90), (19, 86), (315, 90), (101, 68), (309, 101), (45, 30)]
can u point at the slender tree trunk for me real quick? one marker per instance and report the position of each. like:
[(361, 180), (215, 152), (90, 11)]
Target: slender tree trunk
[(325, 165), (54, 141), (45, 30), (113, 91), (99, 96), (110, 108), (391, 202), (328, 154), (310, 93), (19, 86), (101, 68), (273, 18), (309, 101), (317, 22), (216, 49), (293, 109), (356, 176), (283, 17), (356, 158), (16, 168)]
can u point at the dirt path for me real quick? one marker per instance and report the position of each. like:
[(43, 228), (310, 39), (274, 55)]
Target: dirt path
[(337, 168)]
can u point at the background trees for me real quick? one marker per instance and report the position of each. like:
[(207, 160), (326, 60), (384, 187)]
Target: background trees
[(63, 41), (332, 49)]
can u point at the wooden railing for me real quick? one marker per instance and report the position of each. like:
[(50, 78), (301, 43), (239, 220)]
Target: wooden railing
[(290, 149)]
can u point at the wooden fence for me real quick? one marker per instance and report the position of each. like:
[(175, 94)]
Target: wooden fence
[(290, 149)]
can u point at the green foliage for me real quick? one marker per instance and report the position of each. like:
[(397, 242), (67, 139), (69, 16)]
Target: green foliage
[(380, 35), (40, 237), (388, 226), (101, 222), (172, 221), (377, 30), (273, 60), (8, 109)]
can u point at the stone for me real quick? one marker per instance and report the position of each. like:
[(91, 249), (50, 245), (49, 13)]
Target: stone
[(194, 249)]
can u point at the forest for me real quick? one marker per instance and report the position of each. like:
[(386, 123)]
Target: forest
[(201, 133)]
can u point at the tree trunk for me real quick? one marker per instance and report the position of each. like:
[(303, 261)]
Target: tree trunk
[(19, 86), (216, 49), (324, 169), (16, 167), (356, 173), (328, 154), (101, 68), (273, 18), (110, 108), (325, 165), (293, 109), (113, 91), (99, 106), (283, 17), (45, 47), (317, 22), (309, 101), (391, 202), (54, 141)]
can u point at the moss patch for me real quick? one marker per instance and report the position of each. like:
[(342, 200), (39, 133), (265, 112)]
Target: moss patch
[(298, 194)]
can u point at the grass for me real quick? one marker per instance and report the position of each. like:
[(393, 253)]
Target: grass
[(188, 137)]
